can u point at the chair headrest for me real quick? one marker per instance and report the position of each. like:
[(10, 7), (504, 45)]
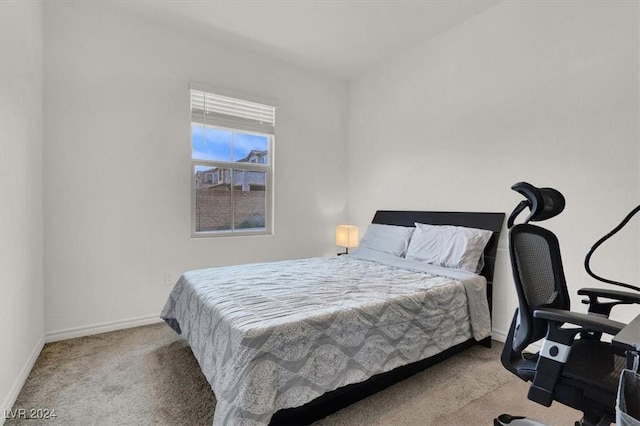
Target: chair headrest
[(544, 203)]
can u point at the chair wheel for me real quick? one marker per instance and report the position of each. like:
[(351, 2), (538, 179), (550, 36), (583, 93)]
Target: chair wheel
[(507, 419)]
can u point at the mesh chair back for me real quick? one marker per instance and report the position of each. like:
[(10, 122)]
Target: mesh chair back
[(539, 279)]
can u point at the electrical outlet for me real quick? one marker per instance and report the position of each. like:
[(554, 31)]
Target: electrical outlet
[(169, 279)]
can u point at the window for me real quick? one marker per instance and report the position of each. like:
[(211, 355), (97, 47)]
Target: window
[(232, 165)]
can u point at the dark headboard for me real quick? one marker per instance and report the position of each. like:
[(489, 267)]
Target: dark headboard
[(491, 221)]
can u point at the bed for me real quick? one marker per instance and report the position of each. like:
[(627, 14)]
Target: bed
[(288, 342)]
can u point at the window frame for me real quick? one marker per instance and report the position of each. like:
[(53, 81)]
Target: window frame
[(268, 169)]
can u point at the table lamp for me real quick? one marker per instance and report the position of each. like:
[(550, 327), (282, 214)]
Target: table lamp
[(347, 237)]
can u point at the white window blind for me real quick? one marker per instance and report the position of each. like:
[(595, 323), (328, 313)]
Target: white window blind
[(218, 110)]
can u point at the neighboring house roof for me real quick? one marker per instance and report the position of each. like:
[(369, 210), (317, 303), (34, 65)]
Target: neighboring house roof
[(253, 153)]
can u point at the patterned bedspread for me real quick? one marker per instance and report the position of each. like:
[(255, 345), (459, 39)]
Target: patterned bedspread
[(277, 335)]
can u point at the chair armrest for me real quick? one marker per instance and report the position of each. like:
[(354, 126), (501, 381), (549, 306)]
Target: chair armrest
[(623, 296), (587, 322)]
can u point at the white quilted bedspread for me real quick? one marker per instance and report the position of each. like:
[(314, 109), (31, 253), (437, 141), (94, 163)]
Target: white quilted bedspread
[(276, 335)]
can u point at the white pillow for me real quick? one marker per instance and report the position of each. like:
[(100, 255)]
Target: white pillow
[(387, 238), (449, 246)]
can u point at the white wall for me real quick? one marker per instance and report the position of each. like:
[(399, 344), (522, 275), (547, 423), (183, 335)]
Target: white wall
[(545, 92), (21, 241), (117, 162)]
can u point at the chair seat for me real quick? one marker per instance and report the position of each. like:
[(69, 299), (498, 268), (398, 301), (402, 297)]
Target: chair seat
[(591, 364), (526, 366), (591, 373), (594, 364)]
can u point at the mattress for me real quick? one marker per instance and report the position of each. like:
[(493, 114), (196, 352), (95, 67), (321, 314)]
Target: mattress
[(277, 335)]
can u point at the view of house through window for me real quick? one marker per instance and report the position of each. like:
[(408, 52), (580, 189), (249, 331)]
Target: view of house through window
[(231, 169)]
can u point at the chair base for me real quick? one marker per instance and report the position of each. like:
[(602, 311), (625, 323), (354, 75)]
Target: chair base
[(509, 420)]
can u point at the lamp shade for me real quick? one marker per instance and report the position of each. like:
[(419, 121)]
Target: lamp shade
[(347, 236)]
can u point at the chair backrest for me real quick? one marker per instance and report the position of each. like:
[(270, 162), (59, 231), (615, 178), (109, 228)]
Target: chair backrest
[(588, 381), (539, 278)]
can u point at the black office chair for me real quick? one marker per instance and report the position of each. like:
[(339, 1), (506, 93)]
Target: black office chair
[(573, 366)]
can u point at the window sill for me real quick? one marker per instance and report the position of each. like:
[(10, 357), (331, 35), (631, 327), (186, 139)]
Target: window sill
[(224, 234)]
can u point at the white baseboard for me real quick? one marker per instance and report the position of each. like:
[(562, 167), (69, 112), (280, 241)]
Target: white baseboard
[(71, 333), (15, 389), (498, 335)]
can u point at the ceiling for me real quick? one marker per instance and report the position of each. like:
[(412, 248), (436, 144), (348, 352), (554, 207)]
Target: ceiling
[(340, 38)]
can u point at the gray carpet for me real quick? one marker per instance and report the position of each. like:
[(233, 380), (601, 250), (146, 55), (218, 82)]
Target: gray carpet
[(148, 376)]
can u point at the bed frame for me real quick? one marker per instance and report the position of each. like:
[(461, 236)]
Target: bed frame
[(336, 400)]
